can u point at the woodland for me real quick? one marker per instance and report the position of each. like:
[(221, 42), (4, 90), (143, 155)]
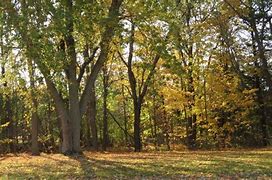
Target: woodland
[(135, 75)]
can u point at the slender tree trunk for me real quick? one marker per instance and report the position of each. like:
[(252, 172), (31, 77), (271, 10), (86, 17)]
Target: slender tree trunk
[(205, 100), (137, 127), (10, 128), (191, 128), (88, 133), (262, 113), (155, 128), (15, 126), (92, 118), (125, 121), (166, 128), (105, 112), (125, 115), (50, 124)]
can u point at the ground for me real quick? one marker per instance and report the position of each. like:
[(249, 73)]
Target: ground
[(249, 164)]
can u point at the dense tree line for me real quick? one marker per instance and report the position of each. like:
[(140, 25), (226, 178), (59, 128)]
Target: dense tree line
[(96, 74)]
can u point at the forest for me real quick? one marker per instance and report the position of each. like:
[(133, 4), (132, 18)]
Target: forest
[(135, 75)]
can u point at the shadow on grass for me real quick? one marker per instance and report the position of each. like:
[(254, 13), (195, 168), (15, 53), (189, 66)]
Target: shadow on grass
[(125, 167), (96, 168), (91, 165)]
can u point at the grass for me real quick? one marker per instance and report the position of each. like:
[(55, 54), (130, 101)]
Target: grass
[(249, 164)]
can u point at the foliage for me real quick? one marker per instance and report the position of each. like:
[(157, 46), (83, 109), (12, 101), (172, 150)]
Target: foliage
[(179, 72)]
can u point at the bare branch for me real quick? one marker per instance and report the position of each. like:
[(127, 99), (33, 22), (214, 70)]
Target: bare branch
[(85, 64), (119, 125), (122, 58)]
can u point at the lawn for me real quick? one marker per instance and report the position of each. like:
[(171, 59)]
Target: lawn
[(249, 164)]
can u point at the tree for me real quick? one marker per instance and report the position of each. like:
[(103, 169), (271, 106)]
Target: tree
[(255, 16), (70, 114)]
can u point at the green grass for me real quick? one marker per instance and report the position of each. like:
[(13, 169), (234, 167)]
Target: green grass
[(128, 165)]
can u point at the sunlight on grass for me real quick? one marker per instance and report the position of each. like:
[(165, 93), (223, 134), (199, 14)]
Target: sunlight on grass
[(225, 164)]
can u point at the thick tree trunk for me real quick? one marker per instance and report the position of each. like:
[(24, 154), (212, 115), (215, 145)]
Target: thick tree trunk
[(67, 141), (34, 111), (191, 127), (75, 119), (191, 131), (34, 134), (74, 110), (66, 147), (262, 112)]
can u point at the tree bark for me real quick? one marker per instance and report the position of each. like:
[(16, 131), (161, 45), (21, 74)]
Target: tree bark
[(137, 126), (191, 134), (34, 112), (125, 115), (92, 118), (105, 112)]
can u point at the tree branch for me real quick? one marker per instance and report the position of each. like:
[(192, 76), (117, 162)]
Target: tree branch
[(85, 64), (150, 75), (119, 125), (105, 48)]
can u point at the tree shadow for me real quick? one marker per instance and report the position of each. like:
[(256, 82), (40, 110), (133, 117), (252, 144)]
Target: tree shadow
[(100, 168), (94, 167)]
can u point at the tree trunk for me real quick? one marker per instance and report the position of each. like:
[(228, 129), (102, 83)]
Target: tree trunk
[(125, 115), (191, 129), (88, 133), (34, 134), (34, 111), (73, 85), (262, 112), (166, 128), (125, 121), (50, 124), (105, 112), (92, 118), (260, 93), (10, 128), (70, 116), (67, 141), (137, 127), (75, 119)]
